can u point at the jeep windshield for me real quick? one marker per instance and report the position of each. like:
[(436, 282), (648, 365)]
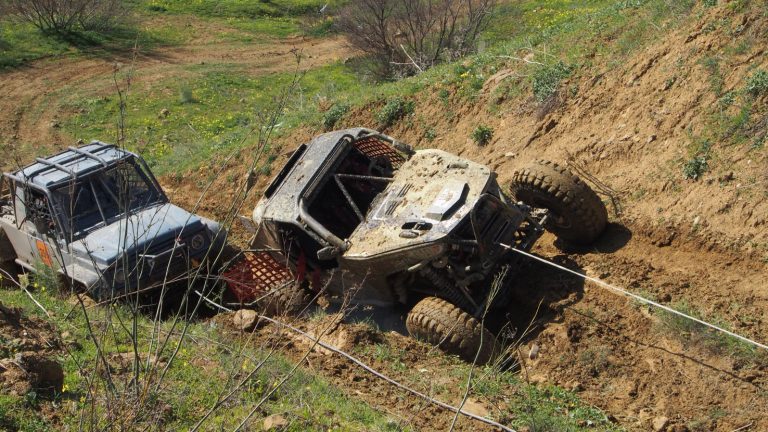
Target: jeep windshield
[(100, 198)]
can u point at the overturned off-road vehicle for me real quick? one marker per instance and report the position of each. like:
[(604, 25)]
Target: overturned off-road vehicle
[(365, 217)]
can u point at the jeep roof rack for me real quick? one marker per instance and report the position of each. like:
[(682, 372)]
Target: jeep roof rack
[(71, 163)]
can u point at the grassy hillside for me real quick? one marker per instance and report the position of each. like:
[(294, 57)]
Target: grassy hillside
[(664, 101)]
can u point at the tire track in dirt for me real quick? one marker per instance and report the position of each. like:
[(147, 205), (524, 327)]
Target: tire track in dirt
[(30, 113)]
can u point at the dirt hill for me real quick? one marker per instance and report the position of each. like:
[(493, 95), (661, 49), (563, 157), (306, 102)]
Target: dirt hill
[(674, 133)]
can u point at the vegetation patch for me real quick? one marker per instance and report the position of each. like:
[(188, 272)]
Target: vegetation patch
[(334, 114), (482, 135), (694, 333), (546, 79), (394, 110)]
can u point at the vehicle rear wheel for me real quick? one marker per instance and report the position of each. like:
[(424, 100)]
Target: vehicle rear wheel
[(290, 299), (9, 274), (441, 323), (577, 214)]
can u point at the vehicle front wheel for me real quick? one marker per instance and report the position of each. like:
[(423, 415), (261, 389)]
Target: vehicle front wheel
[(577, 214), (291, 299), (441, 323), (9, 274)]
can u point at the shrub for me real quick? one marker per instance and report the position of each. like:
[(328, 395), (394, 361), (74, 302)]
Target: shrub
[(393, 111), (430, 134), (404, 37), (695, 167), (482, 135), (546, 79), (757, 84), (64, 16), (334, 114), (185, 94)]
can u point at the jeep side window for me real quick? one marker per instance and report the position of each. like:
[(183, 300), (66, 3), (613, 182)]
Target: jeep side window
[(39, 212), (100, 198)]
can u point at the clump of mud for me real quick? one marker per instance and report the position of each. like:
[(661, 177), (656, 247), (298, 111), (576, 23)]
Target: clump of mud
[(28, 349)]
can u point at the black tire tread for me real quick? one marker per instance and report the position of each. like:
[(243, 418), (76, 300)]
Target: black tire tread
[(289, 300), (543, 181), (7, 253), (433, 318)]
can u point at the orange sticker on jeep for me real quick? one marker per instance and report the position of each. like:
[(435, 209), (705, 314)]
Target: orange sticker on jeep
[(44, 255)]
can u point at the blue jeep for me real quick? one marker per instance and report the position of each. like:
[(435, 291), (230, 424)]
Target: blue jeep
[(98, 217)]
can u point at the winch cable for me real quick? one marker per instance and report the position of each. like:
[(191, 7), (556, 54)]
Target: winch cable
[(644, 300), (370, 369)]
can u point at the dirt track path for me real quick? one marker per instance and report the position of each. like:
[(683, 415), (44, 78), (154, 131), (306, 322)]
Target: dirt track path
[(30, 110)]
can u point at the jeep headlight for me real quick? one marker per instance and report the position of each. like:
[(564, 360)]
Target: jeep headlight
[(119, 277), (197, 241)]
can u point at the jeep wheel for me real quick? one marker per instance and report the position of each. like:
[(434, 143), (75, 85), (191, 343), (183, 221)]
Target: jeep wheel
[(577, 214), (440, 323), (8, 270), (290, 299)]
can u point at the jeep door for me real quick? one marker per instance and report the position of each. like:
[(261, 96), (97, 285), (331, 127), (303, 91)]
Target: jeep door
[(37, 240)]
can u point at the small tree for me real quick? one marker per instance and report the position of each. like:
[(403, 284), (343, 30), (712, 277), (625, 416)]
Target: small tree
[(404, 37), (64, 16)]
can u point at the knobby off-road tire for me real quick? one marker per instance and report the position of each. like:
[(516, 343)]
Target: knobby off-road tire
[(289, 300), (577, 214), (441, 323), (8, 266)]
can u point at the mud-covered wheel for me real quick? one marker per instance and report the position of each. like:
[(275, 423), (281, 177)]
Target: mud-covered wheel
[(9, 274), (290, 299), (8, 267), (441, 323), (577, 214)]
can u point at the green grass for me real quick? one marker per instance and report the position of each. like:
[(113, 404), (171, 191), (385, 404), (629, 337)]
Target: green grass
[(537, 408), (226, 97), (693, 333), (213, 117), (201, 370), (236, 8)]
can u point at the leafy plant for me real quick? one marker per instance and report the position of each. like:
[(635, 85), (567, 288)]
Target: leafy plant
[(393, 111), (185, 94), (482, 135), (430, 134), (546, 79), (695, 167), (334, 114), (757, 84)]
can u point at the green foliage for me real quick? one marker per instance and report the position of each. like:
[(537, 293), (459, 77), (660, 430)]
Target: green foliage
[(185, 94), (236, 8), (482, 135), (430, 134), (709, 3), (757, 84), (18, 414), (716, 79), (546, 79), (698, 164), (394, 110), (226, 98), (334, 114), (185, 391), (541, 409), (694, 333)]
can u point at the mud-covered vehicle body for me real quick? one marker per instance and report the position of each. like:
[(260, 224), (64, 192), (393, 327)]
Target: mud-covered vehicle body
[(98, 217), (362, 215)]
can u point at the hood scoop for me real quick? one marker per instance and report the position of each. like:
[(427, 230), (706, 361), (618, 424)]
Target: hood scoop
[(453, 193)]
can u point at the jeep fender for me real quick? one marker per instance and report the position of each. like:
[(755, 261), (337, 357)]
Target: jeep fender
[(74, 274)]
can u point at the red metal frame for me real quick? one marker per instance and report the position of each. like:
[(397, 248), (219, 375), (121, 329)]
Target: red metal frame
[(254, 275)]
